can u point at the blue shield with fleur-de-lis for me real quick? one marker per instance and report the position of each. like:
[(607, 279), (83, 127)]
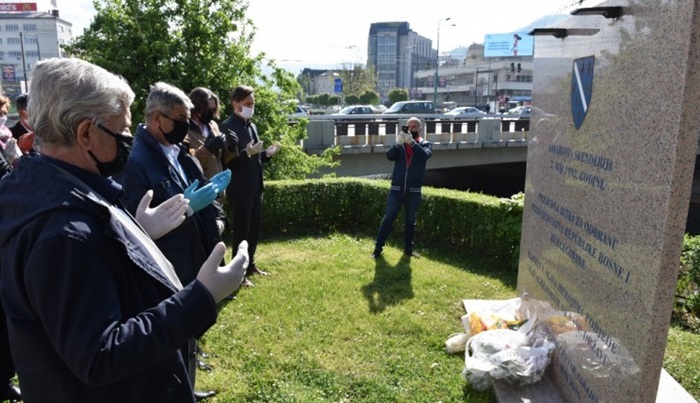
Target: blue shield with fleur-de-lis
[(581, 88)]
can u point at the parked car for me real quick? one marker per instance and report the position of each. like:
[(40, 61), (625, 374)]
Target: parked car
[(520, 111), (411, 108), (465, 112), (356, 110), (300, 111), (379, 108)]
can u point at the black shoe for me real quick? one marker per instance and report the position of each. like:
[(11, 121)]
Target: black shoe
[(376, 253), (200, 395), (11, 393), (253, 269), (203, 365), (411, 254)]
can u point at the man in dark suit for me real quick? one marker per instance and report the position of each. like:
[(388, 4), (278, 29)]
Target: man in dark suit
[(245, 192), (22, 125)]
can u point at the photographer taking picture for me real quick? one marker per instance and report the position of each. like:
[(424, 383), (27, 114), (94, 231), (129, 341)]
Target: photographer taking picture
[(409, 153)]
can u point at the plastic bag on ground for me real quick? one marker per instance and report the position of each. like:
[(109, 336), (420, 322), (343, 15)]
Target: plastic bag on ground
[(517, 357)]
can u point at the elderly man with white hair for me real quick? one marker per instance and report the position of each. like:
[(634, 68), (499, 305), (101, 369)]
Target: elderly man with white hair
[(95, 311)]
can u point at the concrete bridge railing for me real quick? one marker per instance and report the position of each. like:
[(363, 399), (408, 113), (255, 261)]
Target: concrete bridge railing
[(373, 133)]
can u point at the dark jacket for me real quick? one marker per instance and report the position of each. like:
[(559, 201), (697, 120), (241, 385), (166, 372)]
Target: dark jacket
[(405, 177), (91, 317), (18, 130), (189, 245), (247, 172), (5, 165)]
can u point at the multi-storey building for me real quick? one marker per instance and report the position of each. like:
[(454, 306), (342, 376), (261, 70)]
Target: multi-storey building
[(397, 52), (477, 80), (25, 38)]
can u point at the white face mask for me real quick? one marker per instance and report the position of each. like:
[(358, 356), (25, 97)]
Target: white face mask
[(246, 112), (3, 120)]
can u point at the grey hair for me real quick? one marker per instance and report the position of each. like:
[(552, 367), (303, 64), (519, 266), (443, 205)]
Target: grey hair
[(163, 97), (65, 92)]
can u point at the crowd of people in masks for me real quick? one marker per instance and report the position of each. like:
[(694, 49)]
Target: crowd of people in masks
[(111, 254)]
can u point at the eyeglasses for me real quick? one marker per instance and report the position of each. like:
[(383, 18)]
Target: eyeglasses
[(111, 133), (171, 119)]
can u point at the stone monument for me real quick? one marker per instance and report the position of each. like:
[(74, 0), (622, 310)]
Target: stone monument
[(613, 141)]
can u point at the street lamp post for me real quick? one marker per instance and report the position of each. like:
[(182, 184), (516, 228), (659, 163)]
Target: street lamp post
[(437, 64)]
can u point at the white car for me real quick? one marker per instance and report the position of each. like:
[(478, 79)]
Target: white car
[(466, 112), (299, 111)]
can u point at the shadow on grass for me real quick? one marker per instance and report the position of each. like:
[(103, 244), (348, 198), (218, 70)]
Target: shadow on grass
[(391, 284)]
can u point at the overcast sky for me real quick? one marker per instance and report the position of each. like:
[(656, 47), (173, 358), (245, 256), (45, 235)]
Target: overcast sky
[(328, 33)]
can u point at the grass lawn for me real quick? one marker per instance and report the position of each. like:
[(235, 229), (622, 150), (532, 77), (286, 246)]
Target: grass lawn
[(331, 324)]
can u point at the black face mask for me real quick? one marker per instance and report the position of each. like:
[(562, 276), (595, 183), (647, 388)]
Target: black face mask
[(117, 165), (415, 134), (208, 117), (180, 130)]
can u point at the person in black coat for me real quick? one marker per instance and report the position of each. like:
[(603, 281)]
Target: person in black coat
[(245, 192), (22, 125), (95, 312)]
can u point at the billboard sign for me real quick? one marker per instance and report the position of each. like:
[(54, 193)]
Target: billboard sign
[(8, 72), (17, 7), (509, 45), (338, 85)]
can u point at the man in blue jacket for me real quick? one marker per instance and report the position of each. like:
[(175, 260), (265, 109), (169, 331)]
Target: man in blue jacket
[(95, 312), (160, 162), (409, 154)]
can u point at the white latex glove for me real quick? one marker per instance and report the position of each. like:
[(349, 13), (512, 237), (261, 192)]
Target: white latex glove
[(221, 281), (272, 150), (254, 148), (403, 138), (163, 218), (12, 149)]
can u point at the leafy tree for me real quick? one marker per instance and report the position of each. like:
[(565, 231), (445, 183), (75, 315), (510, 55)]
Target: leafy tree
[(333, 100), (398, 94), (352, 99), (312, 100), (369, 97), (323, 99), (356, 79), (191, 43)]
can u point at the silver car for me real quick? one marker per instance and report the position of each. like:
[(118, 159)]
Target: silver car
[(465, 112)]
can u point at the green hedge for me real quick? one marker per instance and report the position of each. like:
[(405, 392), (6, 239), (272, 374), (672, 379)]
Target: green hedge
[(687, 302), (479, 224)]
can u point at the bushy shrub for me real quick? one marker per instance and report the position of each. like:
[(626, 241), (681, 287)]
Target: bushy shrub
[(687, 302)]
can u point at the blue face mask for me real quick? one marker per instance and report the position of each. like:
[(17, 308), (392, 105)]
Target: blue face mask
[(124, 144)]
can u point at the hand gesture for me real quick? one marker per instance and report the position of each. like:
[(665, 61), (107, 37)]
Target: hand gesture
[(402, 138), (221, 180), (163, 218), (253, 148), (202, 197), (221, 281), (12, 150), (231, 138), (214, 143), (272, 150)]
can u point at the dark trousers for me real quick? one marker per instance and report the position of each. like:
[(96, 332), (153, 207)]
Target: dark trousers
[(410, 201), (7, 366), (247, 212)]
